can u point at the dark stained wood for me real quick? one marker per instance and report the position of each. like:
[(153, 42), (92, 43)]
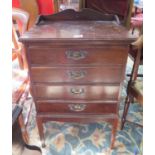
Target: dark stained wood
[(71, 30), (70, 14), (93, 108), (78, 56), (77, 67), (71, 74), (85, 92), (82, 118)]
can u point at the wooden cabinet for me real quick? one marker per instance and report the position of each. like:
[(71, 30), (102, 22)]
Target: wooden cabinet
[(77, 64)]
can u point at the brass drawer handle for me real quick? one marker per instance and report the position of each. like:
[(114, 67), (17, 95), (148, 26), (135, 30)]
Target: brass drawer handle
[(77, 74), (76, 55), (77, 107), (77, 91)]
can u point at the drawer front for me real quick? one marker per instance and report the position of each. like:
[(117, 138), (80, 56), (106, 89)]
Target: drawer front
[(81, 92), (64, 56), (77, 74), (95, 108)]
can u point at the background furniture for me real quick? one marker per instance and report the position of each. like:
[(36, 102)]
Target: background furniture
[(20, 139), (20, 78), (30, 6), (44, 7), (17, 116), (122, 8), (137, 17), (61, 5), (135, 86), (20, 19), (77, 83), (133, 55)]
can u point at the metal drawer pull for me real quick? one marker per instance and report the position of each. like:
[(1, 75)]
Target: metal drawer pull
[(77, 74), (77, 91), (76, 55), (77, 107)]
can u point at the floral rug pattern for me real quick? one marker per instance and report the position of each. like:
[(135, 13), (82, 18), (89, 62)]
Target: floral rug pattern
[(89, 139)]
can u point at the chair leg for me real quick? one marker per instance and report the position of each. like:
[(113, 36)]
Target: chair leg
[(125, 111)]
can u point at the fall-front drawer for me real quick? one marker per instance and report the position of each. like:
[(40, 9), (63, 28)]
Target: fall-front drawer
[(105, 74), (67, 92), (64, 56), (95, 108)]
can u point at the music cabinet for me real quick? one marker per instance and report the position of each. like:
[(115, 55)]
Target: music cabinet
[(77, 65)]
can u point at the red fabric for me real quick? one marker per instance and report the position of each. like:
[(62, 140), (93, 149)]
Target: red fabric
[(15, 3), (45, 6)]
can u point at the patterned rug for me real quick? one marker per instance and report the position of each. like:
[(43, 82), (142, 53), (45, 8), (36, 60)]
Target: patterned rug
[(92, 138)]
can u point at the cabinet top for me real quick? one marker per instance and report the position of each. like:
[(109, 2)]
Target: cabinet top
[(72, 26)]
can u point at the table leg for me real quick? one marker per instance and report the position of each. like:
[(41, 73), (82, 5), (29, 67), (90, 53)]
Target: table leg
[(114, 129), (23, 129), (41, 130)]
